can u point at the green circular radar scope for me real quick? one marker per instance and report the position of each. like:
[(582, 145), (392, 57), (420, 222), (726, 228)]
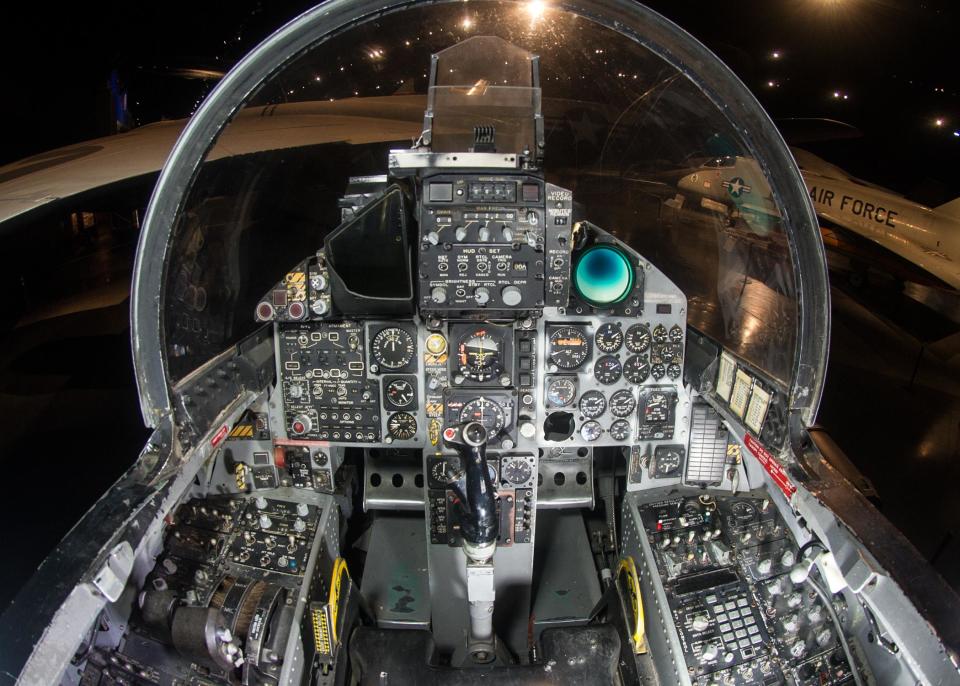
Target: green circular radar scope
[(603, 276)]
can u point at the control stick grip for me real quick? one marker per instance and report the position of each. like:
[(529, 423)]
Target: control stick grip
[(479, 523)]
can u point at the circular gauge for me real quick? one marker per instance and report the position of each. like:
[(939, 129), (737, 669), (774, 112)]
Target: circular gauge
[(622, 403), (516, 472), (608, 370), (743, 511), (659, 333), (402, 426), (393, 348), (673, 370), (561, 391), (592, 404), (609, 338), (445, 471), (638, 338), (479, 355), (672, 352), (569, 347), (667, 462), (486, 412), (676, 334), (400, 393), (620, 430), (657, 371), (636, 369), (436, 344), (591, 431)]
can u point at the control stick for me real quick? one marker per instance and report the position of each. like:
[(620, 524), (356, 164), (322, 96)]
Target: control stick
[(479, 523), (479, 526)]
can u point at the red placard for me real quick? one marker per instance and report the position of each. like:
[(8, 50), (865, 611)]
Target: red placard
[(219, 436), (771, 465)]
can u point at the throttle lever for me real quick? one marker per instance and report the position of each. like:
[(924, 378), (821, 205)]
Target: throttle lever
[(479, 523)]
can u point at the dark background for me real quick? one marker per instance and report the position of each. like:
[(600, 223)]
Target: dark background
[(893, 60)]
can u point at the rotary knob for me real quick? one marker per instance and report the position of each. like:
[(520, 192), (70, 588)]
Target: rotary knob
[(507, 234), (302, 509), (788, 558), (460, 233), (481, 295), (700, 623), (299, 525), (764, 566), (439, 295), (709, 653), (484, 234), (260, 502), (511, 296), (265, 522)]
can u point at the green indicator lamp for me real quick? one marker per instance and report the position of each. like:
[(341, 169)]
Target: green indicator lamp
[(603, 276)]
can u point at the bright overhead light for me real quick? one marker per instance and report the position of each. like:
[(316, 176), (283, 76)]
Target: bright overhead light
[(467, 23), (535, 9), (938, 121), (776, 54)]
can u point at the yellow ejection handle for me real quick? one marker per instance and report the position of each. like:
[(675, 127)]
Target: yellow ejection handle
[(339, 569), (633, 587)]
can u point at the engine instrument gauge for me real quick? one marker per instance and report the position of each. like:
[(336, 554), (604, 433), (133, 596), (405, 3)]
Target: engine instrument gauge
[(561, 391), (659, 333), (622, 403), (516, 471), (400, 393), (569, 347), (666, 462), (657, 371), (479, 355), (608, 370), (591, 431), (636, 369), (609, 338), (620, 430), (445, 471), (402, 426), (676, 334), (392, 348), (638, 338), (673, 370), (743, 511), (592, 404), (485, 411)]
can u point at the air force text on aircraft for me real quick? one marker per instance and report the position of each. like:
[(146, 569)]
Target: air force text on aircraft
[(848, 203)]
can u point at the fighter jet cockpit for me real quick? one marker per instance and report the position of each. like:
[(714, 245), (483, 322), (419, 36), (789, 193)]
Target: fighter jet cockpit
[(447, 386)]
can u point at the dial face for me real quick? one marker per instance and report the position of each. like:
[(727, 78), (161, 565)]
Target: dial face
[(608, 370), (676, 334), (479, 355), (445, 471), (569, 347), (659, 333), (561, 392), (591, 431), (638, 338), (673, 370), (743, 511), (486, 412), (393, 348), (402, 426), (400, 393), (620, 430), (592, 404), (657, 371), (657, 409), (636, 369), (516, 472), (667, 462), (609, 338), (622, 403)]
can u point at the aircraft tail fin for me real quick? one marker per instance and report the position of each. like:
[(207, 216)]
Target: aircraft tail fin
[(951, 209)]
